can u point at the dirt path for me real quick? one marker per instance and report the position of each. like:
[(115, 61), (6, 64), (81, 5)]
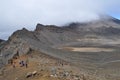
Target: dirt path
[(88, 49)]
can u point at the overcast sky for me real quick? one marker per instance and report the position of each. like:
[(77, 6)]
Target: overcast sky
[(16, 14)]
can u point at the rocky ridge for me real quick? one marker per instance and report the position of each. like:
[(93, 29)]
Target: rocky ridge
[(49, 38)]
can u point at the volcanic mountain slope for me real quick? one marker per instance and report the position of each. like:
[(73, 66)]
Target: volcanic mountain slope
[(92, 47)]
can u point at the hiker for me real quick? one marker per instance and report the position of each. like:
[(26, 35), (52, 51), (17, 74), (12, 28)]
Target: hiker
[(10, 61), (26, 63), (22, 63), (14, 64), (62, 64), (19, 62)]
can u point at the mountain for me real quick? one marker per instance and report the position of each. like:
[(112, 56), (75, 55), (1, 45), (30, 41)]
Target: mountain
[(1, 40), (89, 46)]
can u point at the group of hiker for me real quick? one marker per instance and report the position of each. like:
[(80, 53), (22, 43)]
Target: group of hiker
[(22, 63)]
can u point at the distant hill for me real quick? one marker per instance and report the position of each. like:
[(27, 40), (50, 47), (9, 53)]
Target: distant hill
[(1, 40)]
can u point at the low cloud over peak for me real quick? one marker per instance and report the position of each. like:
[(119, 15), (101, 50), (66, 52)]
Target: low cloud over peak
[(26, 13)]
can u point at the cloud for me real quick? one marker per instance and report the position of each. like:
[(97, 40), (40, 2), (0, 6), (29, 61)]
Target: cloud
[(15, 14)]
